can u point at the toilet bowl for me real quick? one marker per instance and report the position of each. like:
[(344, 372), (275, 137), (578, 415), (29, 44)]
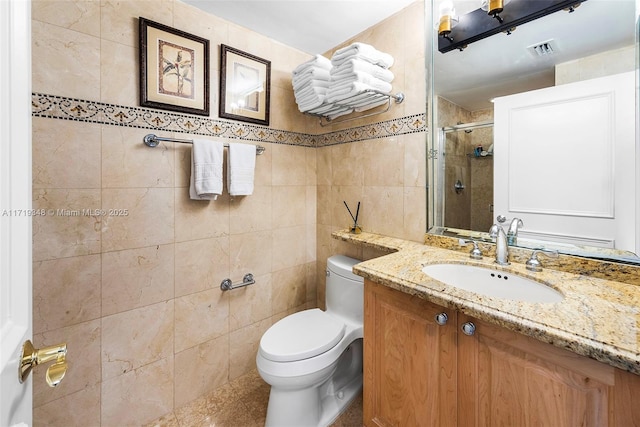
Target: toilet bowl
[(313, 359)]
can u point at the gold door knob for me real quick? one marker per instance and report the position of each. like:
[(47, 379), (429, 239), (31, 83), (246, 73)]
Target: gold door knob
[(32, 357)]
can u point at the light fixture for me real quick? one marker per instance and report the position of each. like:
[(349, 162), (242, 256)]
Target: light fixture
[(478, 24), (494, 8), (447, 19)]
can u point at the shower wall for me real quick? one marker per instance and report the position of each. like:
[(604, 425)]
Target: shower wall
[(472, 207)]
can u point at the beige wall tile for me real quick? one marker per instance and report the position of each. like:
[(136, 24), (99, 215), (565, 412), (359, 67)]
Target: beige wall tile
[(199, 219), (346, 166), (251, 213), (340, 216), (201, 369), (210, 27), (263, 171), (128, 163), (136, 338), (312, 279), (66, 230), (415, 220), (138, 396), (83, 357), (250, 304), (250, 42), (65, 292), (415, 158), (243, 347), (118, 65), (289, 165), (119, 18), (148, 220), (385, 210), (79, 409), (383, 161), (289, 288), (289, 247), (201, 317), (136, 277), (66, 154), (82, 16), (65, 62), (250, 253), (289, 205), (201, 265), (324, 206)]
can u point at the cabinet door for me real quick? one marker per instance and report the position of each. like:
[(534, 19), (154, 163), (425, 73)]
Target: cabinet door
[(508, 379), (409, 361)]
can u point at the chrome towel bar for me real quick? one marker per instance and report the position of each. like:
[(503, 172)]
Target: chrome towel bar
[(227, 285), (152, 141)]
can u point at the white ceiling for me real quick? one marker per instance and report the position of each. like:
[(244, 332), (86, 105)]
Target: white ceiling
[(502, 64), (498, 65), (313, 26)]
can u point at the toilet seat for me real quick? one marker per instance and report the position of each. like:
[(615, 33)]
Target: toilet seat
[(301, 335)]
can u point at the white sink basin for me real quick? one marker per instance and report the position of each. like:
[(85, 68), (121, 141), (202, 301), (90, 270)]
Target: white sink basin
[(492, 283)]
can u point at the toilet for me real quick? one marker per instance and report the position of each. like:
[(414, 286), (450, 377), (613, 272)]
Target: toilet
[(313, 359)]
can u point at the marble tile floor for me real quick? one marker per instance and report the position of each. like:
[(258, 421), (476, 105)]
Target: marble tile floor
[(240, 403)]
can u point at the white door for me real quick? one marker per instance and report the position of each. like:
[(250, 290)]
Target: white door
[(15, 202), (565, 162)]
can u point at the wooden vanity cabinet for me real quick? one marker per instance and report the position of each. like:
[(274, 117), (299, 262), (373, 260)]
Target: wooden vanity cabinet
[(409, 361), (419, 373)]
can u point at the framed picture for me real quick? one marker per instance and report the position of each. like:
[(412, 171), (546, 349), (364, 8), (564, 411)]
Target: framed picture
[(174, 69), (244, 86)]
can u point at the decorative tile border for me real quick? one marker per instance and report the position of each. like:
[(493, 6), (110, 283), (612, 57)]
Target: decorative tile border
[(388, 128), (59, 107)]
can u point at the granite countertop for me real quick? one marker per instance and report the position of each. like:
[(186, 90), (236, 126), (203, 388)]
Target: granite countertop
[(597, 318)]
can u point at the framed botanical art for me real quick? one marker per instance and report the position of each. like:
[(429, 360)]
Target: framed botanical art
[(245, 81), (174, 69)]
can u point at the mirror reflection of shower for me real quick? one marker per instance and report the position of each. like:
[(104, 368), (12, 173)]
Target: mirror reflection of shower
[(468, 175)]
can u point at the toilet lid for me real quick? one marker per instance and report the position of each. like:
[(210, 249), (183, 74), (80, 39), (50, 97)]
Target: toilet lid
[(301, 335)]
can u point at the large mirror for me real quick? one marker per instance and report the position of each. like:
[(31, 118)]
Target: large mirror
[(597, 39)]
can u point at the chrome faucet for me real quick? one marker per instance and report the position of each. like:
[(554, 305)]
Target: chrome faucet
[(512, 234), (502, 247)]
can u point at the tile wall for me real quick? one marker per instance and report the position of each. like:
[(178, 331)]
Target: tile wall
[(135, 294), (386, 174)]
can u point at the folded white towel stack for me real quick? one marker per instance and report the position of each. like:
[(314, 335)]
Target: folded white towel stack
[(344, 84), (362, 51), (241, 169), (354, 65), (310, 82), (206, 169)]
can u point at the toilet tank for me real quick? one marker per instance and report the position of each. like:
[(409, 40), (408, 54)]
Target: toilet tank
[(345, 290)]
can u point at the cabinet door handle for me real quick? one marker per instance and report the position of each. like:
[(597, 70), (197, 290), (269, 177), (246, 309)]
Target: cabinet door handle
[(468, 328), (441, 318)]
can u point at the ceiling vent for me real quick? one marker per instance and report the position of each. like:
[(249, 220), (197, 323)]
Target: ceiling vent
[(543, 49)]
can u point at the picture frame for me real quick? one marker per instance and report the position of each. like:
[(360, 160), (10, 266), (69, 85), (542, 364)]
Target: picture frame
[(174, 69), (245, 82)]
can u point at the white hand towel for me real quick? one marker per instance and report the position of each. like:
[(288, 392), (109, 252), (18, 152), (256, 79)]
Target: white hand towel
[(241, 169), (355, 64), (206, 169), (362, 51)]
